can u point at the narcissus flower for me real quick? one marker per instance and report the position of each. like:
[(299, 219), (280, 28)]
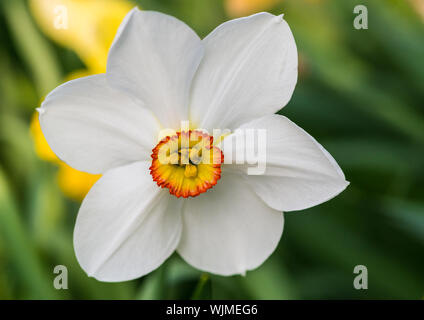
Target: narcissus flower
[(214, 214)]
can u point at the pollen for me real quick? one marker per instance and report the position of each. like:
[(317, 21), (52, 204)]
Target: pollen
[(186, 163)]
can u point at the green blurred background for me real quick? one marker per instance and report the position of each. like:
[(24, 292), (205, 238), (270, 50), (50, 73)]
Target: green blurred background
[(360, 93)]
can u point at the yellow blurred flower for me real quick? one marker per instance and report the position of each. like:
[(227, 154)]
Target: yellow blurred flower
[(88, 28), (85, 26), (75, 184), (41, 147), (418, 5), (238, 8)]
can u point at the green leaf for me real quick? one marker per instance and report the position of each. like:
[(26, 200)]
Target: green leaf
[(28, 271), (32, 47)]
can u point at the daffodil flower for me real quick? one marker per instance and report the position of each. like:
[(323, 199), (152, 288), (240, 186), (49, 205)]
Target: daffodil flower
[(215, 215), (87, 27)]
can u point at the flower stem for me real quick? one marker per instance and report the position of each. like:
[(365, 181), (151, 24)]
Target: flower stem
[(204, 277)]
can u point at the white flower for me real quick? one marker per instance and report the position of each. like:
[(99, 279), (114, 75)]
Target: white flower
[(159, 73)]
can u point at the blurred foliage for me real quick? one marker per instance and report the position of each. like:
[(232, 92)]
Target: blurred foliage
[(360, 93)]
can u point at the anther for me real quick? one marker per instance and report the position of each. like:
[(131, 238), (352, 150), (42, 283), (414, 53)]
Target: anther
[(190, 171)]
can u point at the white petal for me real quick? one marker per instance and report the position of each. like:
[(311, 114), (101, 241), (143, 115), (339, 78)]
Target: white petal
[(229, 229), (299, 174), (249, 70), (126, 226), (93, 127), (154, 57)]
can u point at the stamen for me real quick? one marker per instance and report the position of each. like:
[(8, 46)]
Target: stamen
[(190, 171), (187, 163)]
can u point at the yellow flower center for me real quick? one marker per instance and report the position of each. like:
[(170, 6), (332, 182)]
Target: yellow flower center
[(186, 163)]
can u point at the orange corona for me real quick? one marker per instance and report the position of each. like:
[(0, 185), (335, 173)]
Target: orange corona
[(186, 163)]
